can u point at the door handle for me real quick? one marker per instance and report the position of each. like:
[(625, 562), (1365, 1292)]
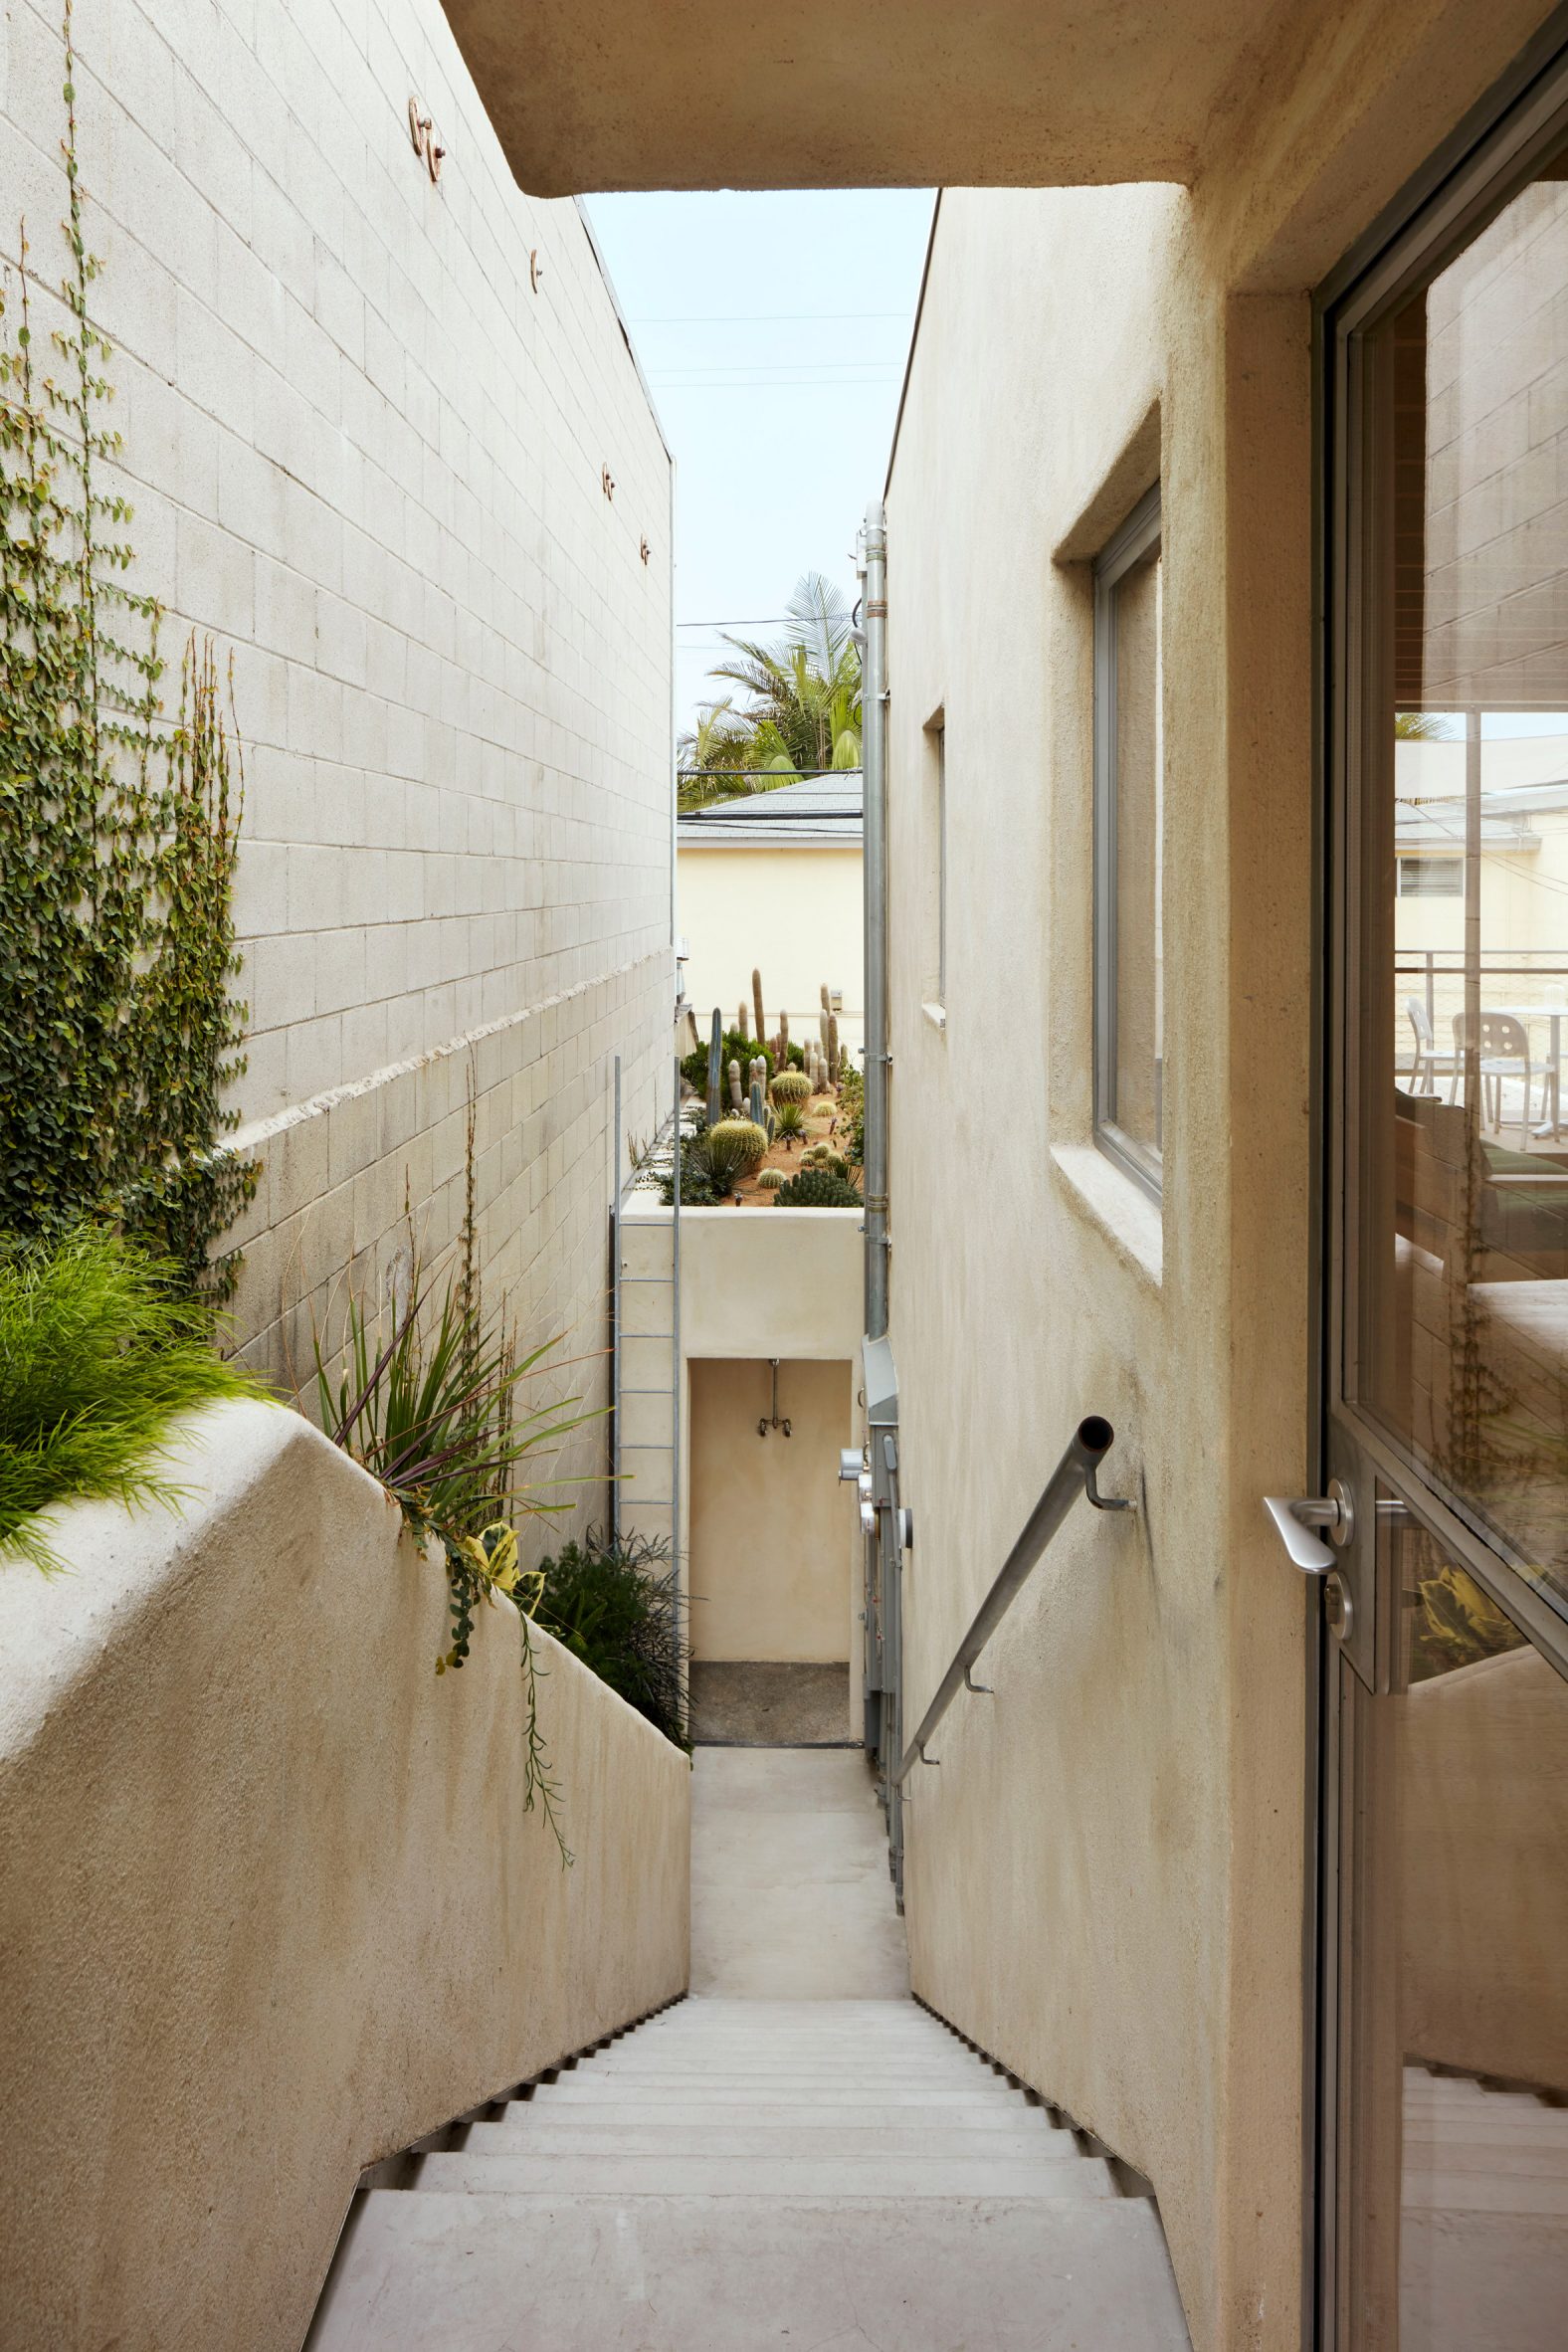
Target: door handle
[(1296, 1517)]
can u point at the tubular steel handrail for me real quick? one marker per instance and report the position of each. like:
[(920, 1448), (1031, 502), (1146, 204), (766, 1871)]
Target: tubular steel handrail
[(1074, 1474)]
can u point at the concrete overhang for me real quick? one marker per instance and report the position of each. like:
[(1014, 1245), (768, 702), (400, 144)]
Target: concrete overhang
[(589, 95)]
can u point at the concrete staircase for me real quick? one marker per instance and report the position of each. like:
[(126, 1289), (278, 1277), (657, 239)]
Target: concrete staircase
[(797, 2156), (741, 2173)]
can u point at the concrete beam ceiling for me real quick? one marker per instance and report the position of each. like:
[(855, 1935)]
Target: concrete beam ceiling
[(592, 94)]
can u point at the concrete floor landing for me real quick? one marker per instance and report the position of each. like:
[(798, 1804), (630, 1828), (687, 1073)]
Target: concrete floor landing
[(796, 2156), (790, 1894), (768, 1704)]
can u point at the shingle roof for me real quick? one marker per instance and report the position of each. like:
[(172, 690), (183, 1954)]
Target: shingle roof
[(817, 812)]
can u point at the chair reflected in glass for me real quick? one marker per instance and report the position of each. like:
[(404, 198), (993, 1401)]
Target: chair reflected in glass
[(1426, 1063), (1503, 1055)]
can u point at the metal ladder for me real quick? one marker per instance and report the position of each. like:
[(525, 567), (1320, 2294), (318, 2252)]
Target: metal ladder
[(645, 1315)]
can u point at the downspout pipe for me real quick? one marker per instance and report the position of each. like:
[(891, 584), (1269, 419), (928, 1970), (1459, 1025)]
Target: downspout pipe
[(874, 763)]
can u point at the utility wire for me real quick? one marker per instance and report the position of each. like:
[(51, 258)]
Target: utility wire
[(763, 317)]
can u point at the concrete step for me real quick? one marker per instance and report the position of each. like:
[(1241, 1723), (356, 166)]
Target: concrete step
[(574, 2089), (539, 2274), (769, 2068), (690, 2109), (531, 2134), (769, 2177)]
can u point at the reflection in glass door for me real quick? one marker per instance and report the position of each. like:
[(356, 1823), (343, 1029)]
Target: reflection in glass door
[(1445, 2111), (1453, 2095)]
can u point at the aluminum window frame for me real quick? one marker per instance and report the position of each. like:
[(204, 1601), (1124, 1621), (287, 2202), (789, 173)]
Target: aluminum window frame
[(1142, 531)]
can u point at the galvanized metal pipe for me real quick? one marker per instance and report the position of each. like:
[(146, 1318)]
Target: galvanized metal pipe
[(874, 763), (1074, 1475)]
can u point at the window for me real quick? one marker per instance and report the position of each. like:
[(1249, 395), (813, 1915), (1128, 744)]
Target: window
[(1431, 877), (1129, 800)]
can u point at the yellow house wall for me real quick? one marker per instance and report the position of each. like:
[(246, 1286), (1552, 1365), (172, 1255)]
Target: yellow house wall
[(794, 915)]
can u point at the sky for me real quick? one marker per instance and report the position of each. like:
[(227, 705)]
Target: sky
[(772, 330)]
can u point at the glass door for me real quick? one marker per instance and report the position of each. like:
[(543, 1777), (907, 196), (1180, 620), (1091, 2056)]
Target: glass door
[(1444, 2104)]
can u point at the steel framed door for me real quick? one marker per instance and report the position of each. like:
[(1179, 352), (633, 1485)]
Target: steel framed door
[(1439, 1540)]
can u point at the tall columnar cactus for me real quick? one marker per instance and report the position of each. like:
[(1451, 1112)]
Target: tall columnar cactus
[(758, 1106), (783, 1037), (715, 1051), (825, 1016), (741, 1031), (757, 1004), (833, 1049), (735, 1102)]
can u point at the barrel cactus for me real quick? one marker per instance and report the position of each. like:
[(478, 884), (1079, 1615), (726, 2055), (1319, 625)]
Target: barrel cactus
[(791, 1085), (770, 1179), (734, 1147), (817, 1188)]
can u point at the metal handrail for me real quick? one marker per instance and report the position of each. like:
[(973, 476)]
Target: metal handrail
[(1074, 1474)]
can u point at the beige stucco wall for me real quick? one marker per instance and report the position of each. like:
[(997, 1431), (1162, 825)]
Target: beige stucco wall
[(271, 1906), (767, 1549), (1133, 1945), (365, 452), (794, 916), (754, 1283)]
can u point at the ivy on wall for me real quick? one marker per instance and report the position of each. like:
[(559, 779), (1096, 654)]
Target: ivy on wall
[(118, 831)]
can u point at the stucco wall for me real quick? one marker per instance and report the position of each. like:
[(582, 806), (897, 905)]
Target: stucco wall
[(365, 452), (1132, 1946), (794, 916), (767, 1513), (271, 1906), (754, 1283)]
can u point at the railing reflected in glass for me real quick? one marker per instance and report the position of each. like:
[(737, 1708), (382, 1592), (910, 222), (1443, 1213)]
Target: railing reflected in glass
[(1456, 2200)]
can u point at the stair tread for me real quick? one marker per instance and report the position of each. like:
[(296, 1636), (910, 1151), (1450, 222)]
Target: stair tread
[(682, 2114), (538, 2135), (769, 2177), (677, 2274)]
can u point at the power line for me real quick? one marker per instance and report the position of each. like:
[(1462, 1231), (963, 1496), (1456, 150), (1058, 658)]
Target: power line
[(777, 384), (762, 317)]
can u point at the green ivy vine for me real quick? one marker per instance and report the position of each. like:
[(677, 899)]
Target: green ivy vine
[(118, 831)]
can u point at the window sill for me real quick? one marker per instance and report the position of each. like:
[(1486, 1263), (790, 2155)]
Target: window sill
[(937, 1015), (1115, 1206)]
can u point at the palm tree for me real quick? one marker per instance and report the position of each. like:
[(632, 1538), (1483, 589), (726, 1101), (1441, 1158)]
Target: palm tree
[(803, 710)]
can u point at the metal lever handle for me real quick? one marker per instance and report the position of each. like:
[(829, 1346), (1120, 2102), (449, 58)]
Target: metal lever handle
[(1296, 1517)]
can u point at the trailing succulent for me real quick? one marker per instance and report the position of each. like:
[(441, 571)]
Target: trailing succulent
[(817, 1188)]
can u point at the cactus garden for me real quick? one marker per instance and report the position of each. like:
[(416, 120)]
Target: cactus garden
[(769, 1119)]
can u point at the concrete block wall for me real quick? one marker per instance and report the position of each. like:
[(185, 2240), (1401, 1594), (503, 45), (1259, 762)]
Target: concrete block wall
[(367, 421)]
